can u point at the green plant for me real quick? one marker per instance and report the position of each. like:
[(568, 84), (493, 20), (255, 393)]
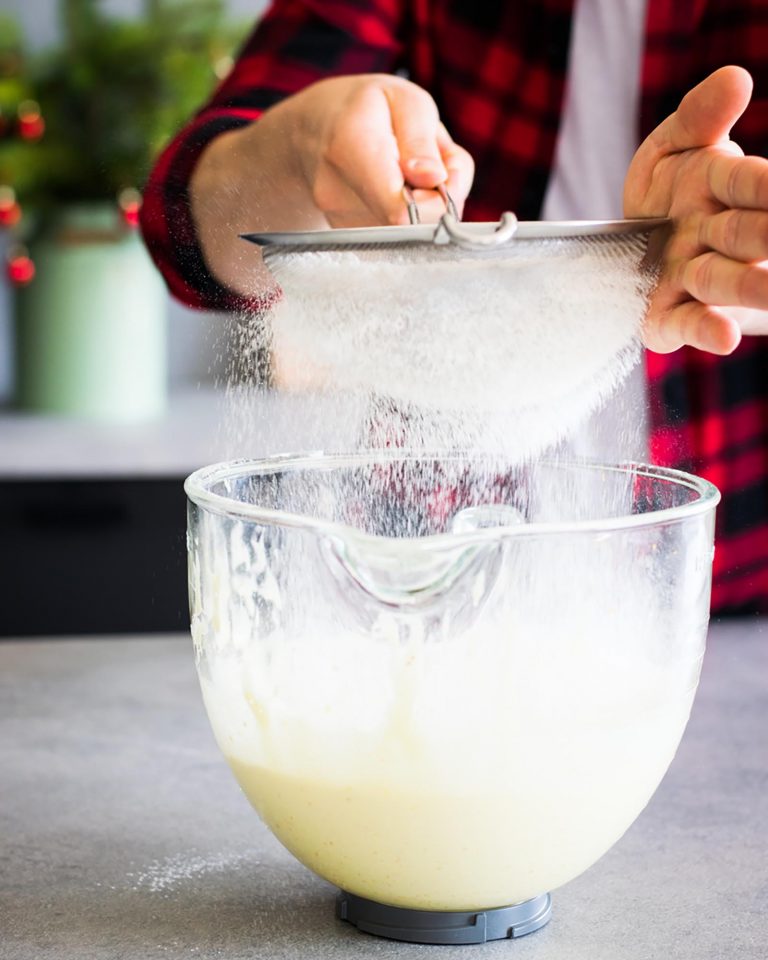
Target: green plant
[(110, 96)]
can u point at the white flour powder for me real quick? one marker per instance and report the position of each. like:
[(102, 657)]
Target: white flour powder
[(163, 876), (518, 345), (439, 726)]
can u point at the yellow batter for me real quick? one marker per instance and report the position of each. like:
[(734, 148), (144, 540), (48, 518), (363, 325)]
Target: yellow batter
[(430, 778)]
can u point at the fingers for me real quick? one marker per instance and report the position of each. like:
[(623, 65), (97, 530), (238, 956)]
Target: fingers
[(692, 323), (752, 323), (459, 165), (387, 133), (706, 113), (739, 234), (739, 181), (415, 123), (721, 281), (361, 174), (690, 170), (704, 119), (460, 169), (709, 300)]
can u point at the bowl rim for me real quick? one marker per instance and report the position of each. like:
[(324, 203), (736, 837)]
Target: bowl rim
[(197, 489)]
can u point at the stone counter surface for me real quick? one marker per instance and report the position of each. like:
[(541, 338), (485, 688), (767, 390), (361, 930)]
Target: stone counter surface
[(200, 426), (123, 834)]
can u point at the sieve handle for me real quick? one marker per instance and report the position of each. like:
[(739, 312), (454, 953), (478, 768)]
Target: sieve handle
[(450, 206), (413, 208), (450, 230), (457, 234)]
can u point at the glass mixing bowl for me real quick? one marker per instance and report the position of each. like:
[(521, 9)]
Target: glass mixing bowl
[(445, 683)]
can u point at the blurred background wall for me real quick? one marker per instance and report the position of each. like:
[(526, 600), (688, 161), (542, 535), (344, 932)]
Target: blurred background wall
[(192, 354), (93, 447)]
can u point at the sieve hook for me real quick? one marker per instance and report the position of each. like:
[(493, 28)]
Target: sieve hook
[(450, 230), (413, 208), (505, 230)]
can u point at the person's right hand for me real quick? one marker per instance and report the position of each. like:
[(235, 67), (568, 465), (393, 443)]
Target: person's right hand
[(358, 140)]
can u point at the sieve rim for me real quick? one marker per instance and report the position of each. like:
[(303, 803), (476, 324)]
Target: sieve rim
[(197, 489), (425, 232)]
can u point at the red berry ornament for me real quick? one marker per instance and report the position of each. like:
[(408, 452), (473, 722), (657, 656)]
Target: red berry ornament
[(20, 270), (129, 201), (31, 124), (10, 211), (31, 128)]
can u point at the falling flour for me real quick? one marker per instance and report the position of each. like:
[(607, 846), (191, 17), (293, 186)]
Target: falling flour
[(511, 347), (490, 745)]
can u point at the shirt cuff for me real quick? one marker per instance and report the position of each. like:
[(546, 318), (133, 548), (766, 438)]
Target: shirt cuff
[(167, 222)]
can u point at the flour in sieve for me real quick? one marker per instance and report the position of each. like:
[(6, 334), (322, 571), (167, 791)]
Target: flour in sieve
[(526, 342)]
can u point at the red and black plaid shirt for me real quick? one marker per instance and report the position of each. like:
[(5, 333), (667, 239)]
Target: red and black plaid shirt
[(497, 70)]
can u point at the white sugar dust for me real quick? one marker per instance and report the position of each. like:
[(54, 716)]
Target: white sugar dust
[(424, 713), (506, 349)]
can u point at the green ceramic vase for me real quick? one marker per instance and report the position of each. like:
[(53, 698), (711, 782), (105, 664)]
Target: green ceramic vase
[(91, 327)]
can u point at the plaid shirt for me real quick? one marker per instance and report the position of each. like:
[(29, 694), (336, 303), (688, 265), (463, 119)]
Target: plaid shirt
[(497, 72)]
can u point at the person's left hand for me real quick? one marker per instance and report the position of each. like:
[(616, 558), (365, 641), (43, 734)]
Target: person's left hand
[(714, 282)]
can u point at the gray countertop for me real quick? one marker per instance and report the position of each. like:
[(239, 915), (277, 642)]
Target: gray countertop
[(123, 835)]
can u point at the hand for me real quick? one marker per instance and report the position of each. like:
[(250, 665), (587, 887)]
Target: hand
[(358, 140), (714, 283), (338, 153)]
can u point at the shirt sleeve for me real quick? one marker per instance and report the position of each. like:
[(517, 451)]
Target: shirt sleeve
[(296, 43)]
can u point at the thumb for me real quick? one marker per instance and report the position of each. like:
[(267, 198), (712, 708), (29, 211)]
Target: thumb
[(707, 113), (415, 123), (703, 119)]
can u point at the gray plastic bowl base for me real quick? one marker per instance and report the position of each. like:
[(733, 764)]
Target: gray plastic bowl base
[(450, 927)]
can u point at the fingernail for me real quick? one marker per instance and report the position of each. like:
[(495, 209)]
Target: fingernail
[(423, 163)]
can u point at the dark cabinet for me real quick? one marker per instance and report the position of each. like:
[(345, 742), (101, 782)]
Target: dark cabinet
[(83, 556)]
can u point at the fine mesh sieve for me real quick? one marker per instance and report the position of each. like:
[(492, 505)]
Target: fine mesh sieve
[(536, 319), (473, 238)]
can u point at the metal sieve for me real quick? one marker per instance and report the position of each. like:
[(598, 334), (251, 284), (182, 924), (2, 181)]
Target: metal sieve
[(540, 319), (449, 231)]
